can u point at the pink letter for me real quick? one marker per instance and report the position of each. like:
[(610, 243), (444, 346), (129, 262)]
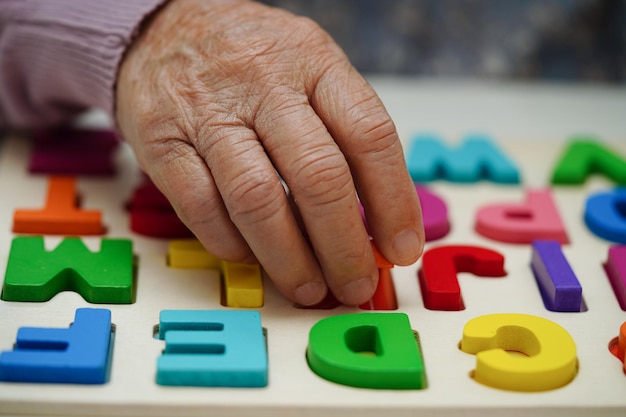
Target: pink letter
[(434, 213), (537, 218)]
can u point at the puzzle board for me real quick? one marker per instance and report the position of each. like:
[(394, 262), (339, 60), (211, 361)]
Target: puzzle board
[(531, 124)]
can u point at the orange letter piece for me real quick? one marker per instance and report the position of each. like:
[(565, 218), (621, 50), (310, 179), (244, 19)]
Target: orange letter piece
[(385, 296), (60, 216), (618, 345)]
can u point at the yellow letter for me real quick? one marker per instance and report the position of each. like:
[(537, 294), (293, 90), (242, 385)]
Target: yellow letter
[(520, 352)]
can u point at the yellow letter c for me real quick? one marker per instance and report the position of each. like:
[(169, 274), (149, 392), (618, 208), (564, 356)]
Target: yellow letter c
[(545, 359)]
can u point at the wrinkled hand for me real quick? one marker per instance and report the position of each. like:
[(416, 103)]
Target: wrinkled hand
[(222, 99)]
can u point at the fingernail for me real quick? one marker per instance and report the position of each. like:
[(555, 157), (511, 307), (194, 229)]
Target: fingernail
[(357, 292), (407, 246), (310, 293)]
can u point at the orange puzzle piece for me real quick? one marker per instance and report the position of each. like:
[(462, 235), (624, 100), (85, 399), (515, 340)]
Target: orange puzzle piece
[(618, 345), (385, 296), (60, 215)]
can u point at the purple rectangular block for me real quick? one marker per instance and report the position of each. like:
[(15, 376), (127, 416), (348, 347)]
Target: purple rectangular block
[(557, 282), (615, 268)]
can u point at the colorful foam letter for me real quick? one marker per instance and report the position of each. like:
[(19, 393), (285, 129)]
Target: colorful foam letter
[(438, 274), (242, 283), (212, 348), (384, 297), (559, 287), (434, 214), (544, 353), (60, 216), (536, 219), (80, 354), (586, 156), (605, 215), (615, 268), (477, 158), (368, 350), (151, 214), (617, 346), (34, 274), (190, 254), (73, 151)]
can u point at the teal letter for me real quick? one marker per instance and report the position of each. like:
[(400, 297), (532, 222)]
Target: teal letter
[(477, 158), (212, 348)]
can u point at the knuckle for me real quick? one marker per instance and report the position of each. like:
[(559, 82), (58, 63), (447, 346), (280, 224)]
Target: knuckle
[(308, 29), (168, 150), (379, 145), (376, 131), (324, 177), (254, 197), (354, 257)]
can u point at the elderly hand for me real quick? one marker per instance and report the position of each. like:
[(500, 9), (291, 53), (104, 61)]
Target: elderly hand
[(220, 100)]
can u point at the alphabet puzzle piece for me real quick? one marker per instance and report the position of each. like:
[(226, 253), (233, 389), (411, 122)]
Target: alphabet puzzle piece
[(60, 215), (559, 287), (536, 219), (151, 214), (242, 284), (617, 346), (605, 214), (434, 214), (384, 297), (545, 353), (73, 151), (438, 275), (80, 354), (369, 350), (585, 156), (477, 158), (615, 268), (34, 274), (212, 348)]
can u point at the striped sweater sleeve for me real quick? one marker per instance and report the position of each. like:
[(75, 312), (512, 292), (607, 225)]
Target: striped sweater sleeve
[(61, 57)]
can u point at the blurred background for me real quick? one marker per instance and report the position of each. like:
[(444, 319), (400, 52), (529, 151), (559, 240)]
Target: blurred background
[(568, 40)]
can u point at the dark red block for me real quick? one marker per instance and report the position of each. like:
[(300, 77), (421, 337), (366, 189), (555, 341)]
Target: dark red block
[(73, 151), (151, 214)]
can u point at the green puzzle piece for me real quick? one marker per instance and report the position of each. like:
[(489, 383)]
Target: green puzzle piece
[(370, 350), (585, 156), (104, 277)]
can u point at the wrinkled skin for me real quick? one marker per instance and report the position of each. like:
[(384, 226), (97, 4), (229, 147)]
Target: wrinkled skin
[(222, 99)]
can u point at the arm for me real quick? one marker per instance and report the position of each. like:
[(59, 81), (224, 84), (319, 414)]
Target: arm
[(218, 98), (58, 58)]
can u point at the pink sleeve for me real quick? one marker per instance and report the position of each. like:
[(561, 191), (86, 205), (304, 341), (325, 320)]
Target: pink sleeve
[(58, 58)]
